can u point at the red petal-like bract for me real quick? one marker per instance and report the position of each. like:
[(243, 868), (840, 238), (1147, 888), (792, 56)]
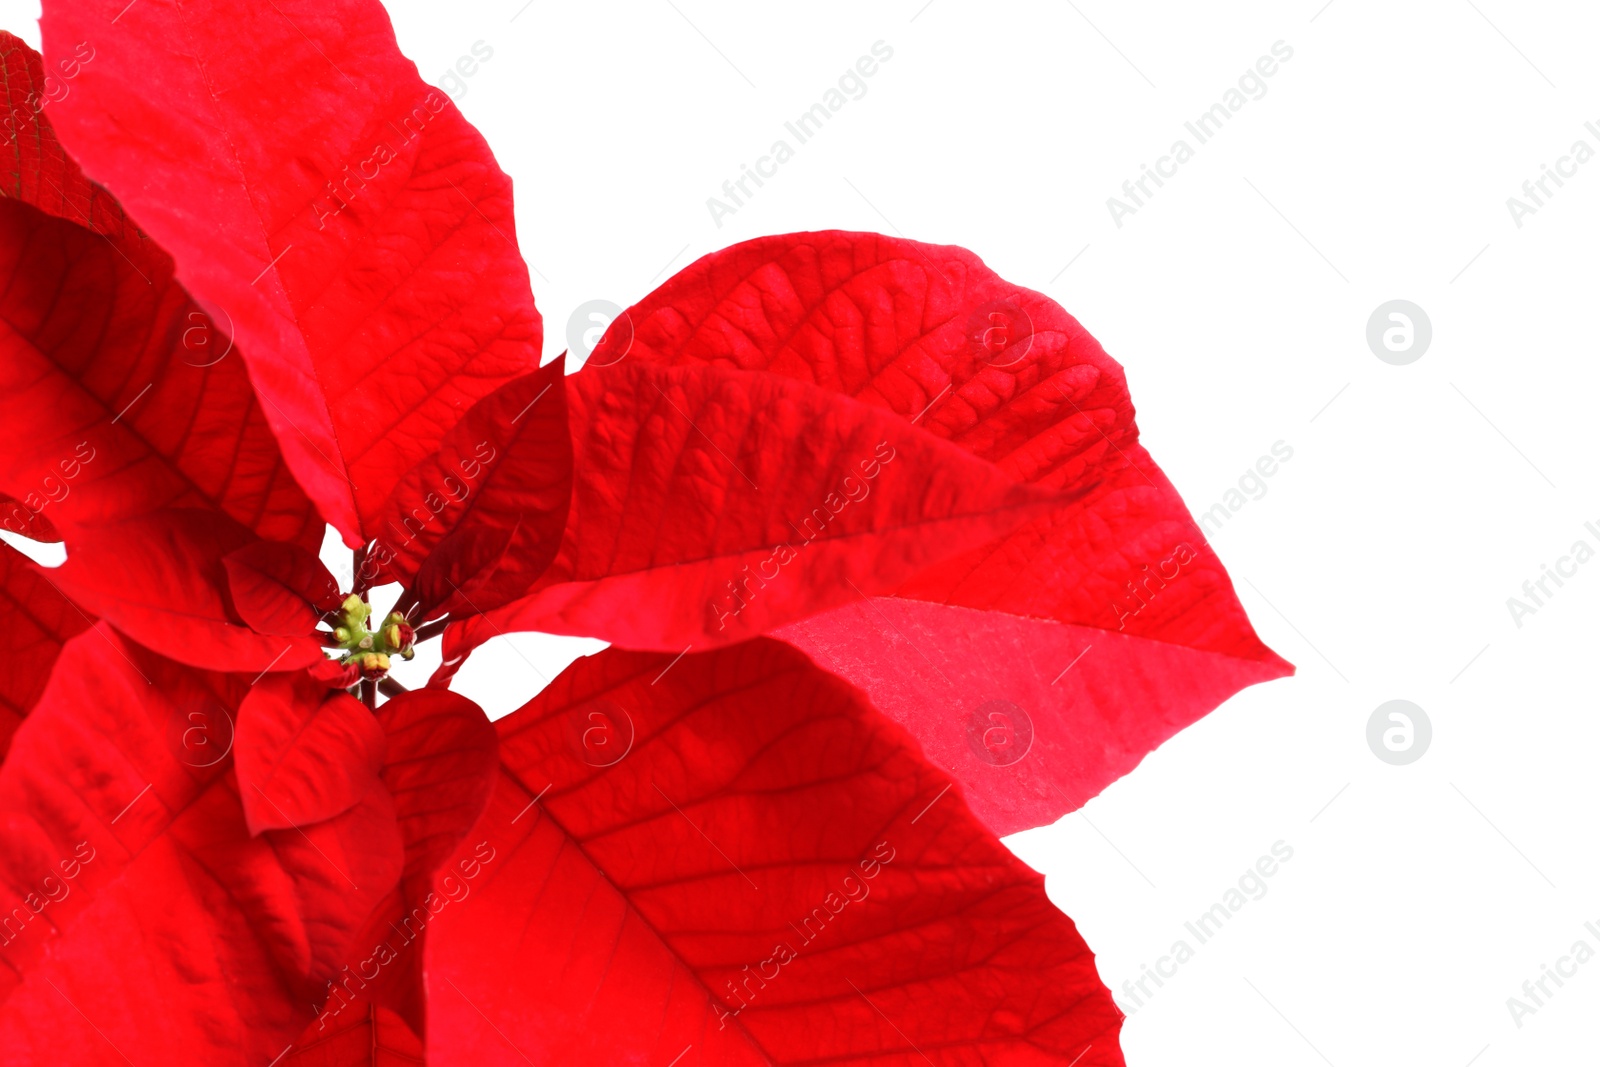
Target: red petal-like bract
[(161, 580), (278, 588), (734, 856), (36, 619), (304, 754), (472, 526), (978, 655), (354, 228), (711, 505), (440, 769), (139, 920), (442, 763), (118, 394)]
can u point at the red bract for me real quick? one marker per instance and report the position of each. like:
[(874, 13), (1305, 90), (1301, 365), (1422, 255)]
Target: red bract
[(919, 476), (117, 395), (736, 853), (346, 221), (691, 482), (977, 649), (305, 754), (475, 523), (183, 525), (442, 765)]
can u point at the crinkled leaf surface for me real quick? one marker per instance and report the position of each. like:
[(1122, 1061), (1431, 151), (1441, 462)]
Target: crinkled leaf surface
[(118, 393), (152, 926), (304, 753), (353, 227), (930, 334), (734, 854), (40, 172), (473, 525), (712, 504), (36, 619)]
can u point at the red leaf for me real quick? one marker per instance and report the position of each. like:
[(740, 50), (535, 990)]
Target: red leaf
[(473, 525), (443, 758), (117, 392), (352, 224), (105, 413), (375, 1037), (279, 588), (770, 873), (1034, 716), (711, 505), (160, 580), (40, 173), (108, 358), (931, 334), (144, 921), (304, 754), (35, 621)]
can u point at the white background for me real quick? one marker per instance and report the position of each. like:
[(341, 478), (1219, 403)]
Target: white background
[(1377, 166)]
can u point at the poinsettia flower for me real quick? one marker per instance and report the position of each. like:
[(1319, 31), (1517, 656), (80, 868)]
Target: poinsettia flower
[(202, 589), (840, 439), (198, 587), (475, 521), (1036, 666), (183, 526)]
